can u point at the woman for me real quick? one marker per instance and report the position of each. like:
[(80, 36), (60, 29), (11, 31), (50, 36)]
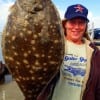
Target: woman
[(79, 77)]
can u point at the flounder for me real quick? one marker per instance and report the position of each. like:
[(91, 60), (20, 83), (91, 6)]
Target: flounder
[(33, 44)]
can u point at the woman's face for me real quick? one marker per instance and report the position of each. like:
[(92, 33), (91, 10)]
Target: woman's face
[(75, 29)]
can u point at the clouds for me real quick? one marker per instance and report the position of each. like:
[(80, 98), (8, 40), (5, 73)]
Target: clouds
[(61, 14), (94, 20), (4, 12)]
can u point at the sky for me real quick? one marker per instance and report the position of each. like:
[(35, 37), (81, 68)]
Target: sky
[(61, 5)]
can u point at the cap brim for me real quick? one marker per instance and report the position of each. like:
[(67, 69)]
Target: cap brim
[(75, 16)]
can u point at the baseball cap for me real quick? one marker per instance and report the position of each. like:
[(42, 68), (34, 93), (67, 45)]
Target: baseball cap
[(76, 10)]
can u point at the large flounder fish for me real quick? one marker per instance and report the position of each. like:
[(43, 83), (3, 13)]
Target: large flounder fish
[(33, 44)]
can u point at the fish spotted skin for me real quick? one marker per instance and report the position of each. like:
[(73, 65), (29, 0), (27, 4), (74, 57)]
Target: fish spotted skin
[(33, 44)]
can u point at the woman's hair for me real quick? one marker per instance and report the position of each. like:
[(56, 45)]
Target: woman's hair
[(86, 34)]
